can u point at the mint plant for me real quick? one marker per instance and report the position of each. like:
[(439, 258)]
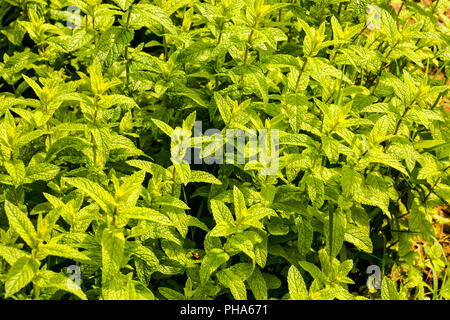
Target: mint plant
[(129, 155)]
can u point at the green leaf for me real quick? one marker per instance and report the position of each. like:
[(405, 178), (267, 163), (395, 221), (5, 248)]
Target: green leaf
[(102, 197), (231, 280), (141, 213), (20, 274), (65, 143), (11, 254), (50, 279), (113, 244), (170, 201), (419, 219), (315, 189), (124, 4), (223, 229), (41, 171), (334, 230), (112, 44), (388, 290), (306, 232), (212, 260), (163, 126), (18, 220), (359, 237), (240, 209), (296, 285), (389, 27), (351, 180), (313, 270), (64, 251), (224, 107), (144, 253), (202, 176), (258, 285), (149, 15), (16, 170), (221, 212), (386, 159), (240, 242), (171, 294), (128, 193)]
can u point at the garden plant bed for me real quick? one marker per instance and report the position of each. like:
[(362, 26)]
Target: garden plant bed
[(224, 150)]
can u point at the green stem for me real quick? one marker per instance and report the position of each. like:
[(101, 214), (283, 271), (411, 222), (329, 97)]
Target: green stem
[(35, 291), (93, 28), (435, 5), (127, 60), (383, 66), (400, 10), (330, 232), (300, 74), (16, 196), (437, 100), (434, 185), (173, 178), (48, 126), (244, 62), (399, 122), (219, 39), (166, 52)]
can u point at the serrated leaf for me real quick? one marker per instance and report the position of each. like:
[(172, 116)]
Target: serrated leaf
[(258, 285), (113, 244), (112, 44), (212, 260), (232, 281), (334, 230), (102, 197), (50, 279), (64, 251), (20, 274), (124, 4), (141, 213), (202, 176), (296, 284), (41, 171), (388, 290), (18, 220), (221, 212), (11, 254)]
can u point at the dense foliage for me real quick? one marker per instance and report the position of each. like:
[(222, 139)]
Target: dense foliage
[(91, 92)]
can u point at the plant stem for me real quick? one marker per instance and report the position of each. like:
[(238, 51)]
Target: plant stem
[(300, 74), (383, 66), (437, 100), (173, 178), (435, 5), (244, 62), (48, 126), (330, 232), (166, 54), (35, 291), (93, 28), (219, 39), (339, 10), (397, 127), (434, 185), (127, 60)]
